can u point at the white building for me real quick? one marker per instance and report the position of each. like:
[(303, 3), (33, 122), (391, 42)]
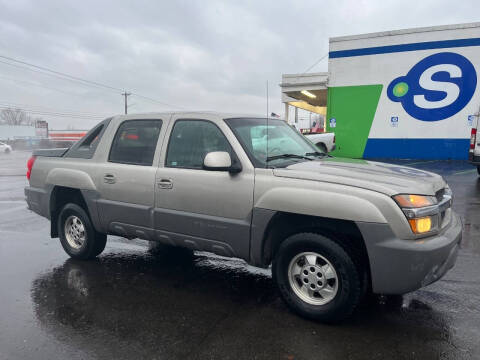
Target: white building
[(399, 94)]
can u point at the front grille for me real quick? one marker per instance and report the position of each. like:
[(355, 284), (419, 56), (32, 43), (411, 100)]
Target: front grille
[(442, 216), (439, 194)]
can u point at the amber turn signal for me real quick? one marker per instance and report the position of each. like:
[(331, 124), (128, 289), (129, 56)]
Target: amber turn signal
[(421, 225)]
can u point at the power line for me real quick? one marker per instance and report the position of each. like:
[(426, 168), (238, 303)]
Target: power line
[(52, 114), (21, 81), (315, 63), (44, 108), (155, 101), (49, 74), (37, 110), (45, 112), (76, 78), (64, 76)]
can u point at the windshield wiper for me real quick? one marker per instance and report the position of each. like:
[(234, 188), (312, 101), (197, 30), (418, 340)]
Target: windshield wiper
[(316, 153), (288, 156)]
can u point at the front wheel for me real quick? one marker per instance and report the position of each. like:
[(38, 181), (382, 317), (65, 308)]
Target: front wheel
[(7, 150), (317, 278), (77, 235)]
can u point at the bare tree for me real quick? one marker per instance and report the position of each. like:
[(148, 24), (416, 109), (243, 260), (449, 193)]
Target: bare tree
[(16, 116)]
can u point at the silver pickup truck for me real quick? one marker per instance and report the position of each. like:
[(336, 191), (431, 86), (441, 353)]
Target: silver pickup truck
[(332, 229)]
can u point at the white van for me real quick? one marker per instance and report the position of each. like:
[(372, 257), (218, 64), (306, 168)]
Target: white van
[(474, 152)]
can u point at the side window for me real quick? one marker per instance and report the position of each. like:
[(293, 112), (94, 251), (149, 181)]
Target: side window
[(191, 140), (85, 147), (135, 142), (91, 140)]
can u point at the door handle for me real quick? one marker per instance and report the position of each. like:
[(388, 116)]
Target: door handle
[(109, 179), (165, 184)]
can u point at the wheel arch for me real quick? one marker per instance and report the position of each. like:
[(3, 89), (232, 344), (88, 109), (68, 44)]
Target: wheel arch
[(71, 178), (344, 232), (59, 197), (322, 145)]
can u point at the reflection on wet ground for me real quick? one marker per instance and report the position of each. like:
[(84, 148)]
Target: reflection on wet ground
[(159, 303), (173, 304)]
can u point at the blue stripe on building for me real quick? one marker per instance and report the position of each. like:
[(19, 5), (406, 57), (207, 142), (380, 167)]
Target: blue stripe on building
[(417, 149), (405, 47)]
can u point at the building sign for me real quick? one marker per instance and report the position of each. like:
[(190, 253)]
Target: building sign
[(470, 120), (41, 128), (435, 88)]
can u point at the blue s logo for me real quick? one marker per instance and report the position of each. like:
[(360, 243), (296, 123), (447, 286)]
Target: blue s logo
[(436, 88)]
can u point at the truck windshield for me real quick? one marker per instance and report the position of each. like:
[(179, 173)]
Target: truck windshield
[(274, 145)]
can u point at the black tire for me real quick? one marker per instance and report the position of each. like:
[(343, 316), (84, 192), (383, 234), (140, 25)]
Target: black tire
[(94, 242), (350, 288), (7, 151), (478, 169)]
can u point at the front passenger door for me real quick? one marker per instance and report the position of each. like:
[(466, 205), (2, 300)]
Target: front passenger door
[(212, 207)]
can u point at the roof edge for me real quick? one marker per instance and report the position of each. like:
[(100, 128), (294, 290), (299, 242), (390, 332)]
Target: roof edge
[(405, 31)]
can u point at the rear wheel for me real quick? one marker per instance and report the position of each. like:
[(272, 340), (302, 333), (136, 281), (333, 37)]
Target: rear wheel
[(77, 235), (7, 150), (317, 278), (478, 169)]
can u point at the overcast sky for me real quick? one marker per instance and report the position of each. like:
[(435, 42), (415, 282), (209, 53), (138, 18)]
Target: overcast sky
[(197, 55)]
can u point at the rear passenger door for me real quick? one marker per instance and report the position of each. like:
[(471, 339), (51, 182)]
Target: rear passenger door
[(127, 178)]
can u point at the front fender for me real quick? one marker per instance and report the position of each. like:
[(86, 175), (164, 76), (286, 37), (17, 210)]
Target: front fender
[(322, 203)]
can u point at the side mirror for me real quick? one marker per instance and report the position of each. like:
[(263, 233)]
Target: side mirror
[(219, 161)]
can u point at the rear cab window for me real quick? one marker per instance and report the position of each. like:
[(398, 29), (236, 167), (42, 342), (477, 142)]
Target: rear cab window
[(135, 142), (85, 147)]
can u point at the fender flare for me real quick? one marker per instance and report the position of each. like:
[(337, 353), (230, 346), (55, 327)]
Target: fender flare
[(321, 203), (70, 178)]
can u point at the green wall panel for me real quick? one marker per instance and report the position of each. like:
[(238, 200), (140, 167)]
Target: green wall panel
[(354, 108)]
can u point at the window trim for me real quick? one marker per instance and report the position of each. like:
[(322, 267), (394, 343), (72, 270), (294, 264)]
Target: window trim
[(115, 136), (76, 152), (233, 154)]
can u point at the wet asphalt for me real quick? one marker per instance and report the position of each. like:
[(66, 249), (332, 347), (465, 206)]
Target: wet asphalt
[(136, 302)]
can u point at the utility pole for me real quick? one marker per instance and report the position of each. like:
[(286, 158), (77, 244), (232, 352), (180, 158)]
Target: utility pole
[(125, 94)]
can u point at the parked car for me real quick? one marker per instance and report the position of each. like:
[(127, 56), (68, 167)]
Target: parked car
[(474, 151), (332, 229), (324, 141), (5, 148)]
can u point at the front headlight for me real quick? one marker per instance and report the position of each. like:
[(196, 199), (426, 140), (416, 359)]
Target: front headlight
[(411, 204), (414, 201)]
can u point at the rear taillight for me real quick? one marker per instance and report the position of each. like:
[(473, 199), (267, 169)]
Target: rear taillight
[(473, 138), (30, 163)]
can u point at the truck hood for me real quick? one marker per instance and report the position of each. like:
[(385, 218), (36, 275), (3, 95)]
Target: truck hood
[(386, 178)]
